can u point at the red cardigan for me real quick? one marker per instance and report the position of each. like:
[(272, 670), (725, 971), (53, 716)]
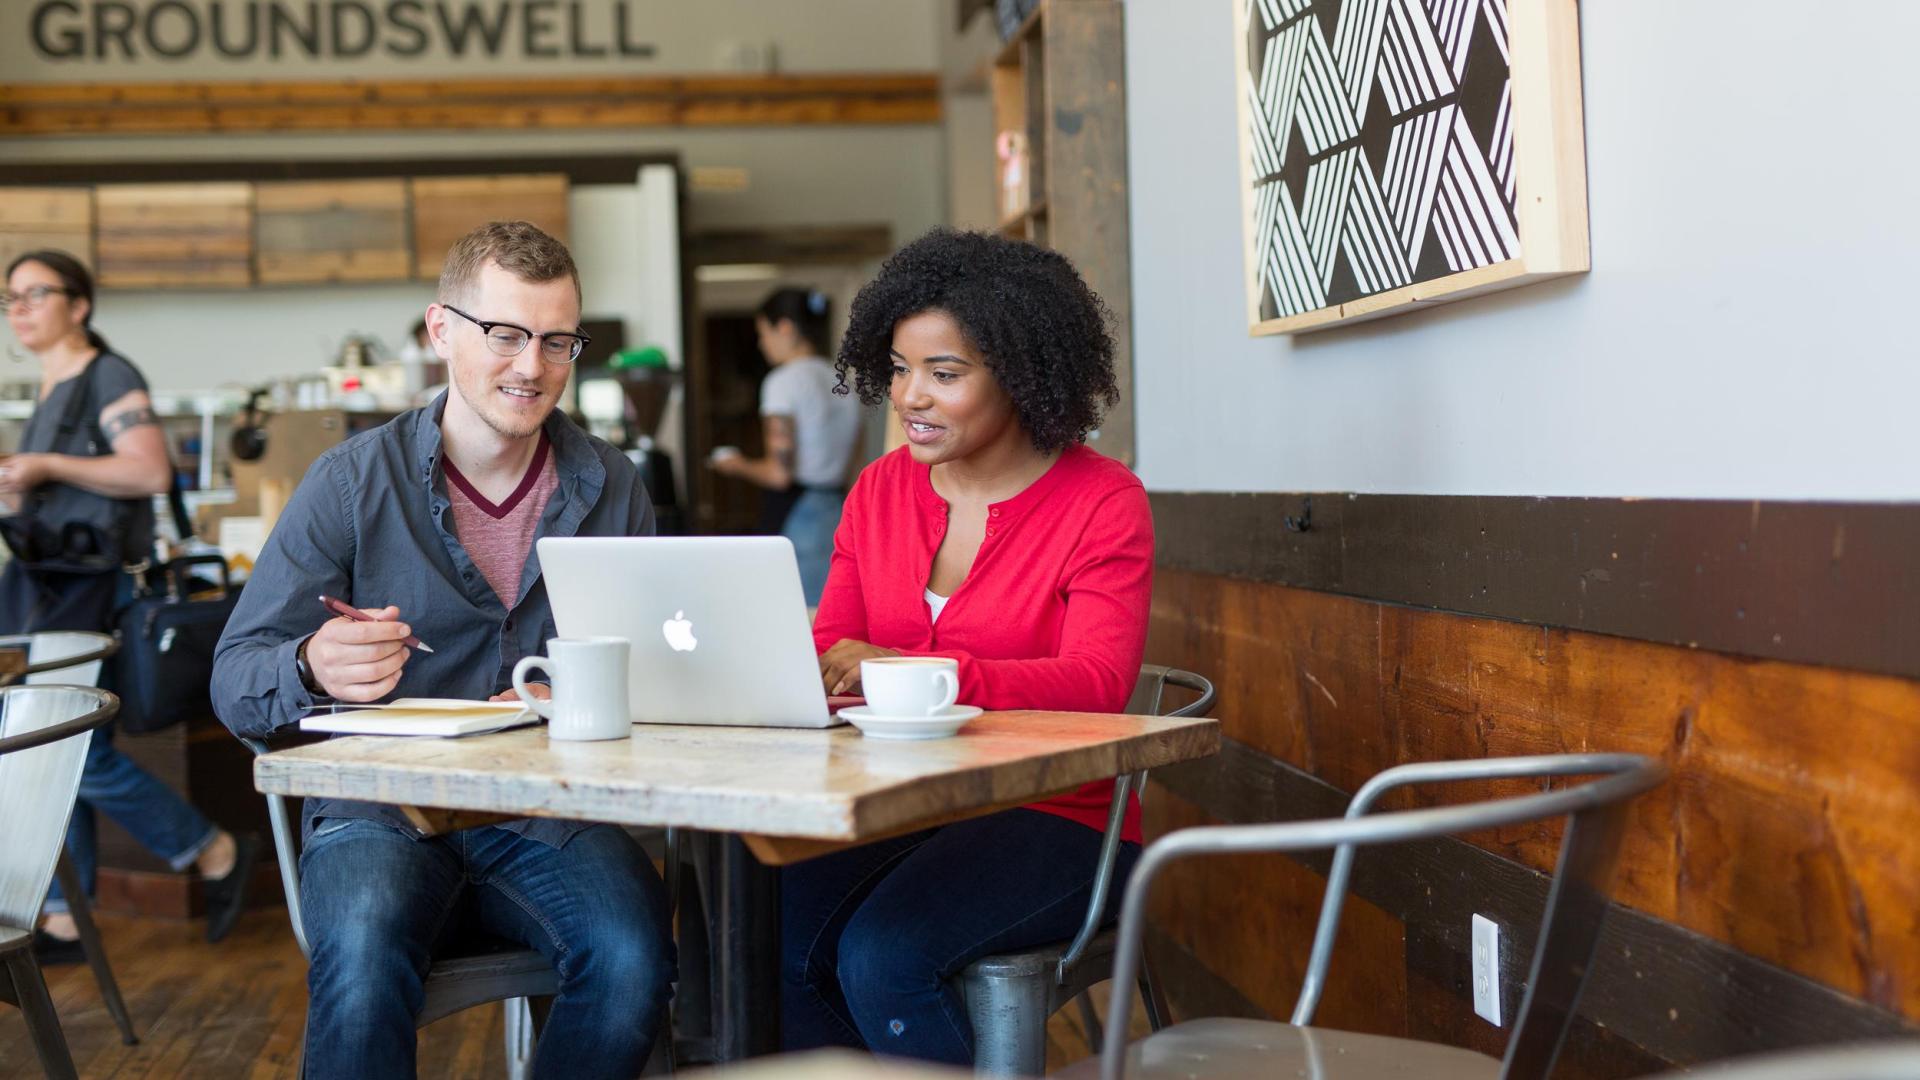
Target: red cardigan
[(1052, 615)]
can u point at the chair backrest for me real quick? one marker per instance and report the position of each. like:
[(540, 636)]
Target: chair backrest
[(1149, 693), (1576, 902), (43, 746), (64, 657)]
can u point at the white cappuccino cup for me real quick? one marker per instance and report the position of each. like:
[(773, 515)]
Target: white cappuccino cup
[(589, 688), (910, 685)]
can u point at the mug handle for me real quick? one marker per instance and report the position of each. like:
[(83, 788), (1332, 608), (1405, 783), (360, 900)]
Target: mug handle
[(952, 695), (526, 664)]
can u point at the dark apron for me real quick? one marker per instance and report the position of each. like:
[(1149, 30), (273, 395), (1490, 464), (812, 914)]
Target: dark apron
[(32, 601), (68, 546)]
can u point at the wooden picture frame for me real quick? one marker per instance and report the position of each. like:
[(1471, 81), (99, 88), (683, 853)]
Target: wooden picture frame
[(1397, 154)]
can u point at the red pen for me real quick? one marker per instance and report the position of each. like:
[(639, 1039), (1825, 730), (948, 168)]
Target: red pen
[(341, 607)]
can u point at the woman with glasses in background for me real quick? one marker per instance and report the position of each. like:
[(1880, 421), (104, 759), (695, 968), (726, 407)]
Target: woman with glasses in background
[(78, 493)]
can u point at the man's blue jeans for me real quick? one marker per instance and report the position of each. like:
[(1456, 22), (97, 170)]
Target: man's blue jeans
[(161, 820), (378, 901), (870, 936)]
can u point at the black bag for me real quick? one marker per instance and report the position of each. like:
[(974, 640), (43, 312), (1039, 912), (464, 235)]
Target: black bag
[(167, 638), (61, 529)]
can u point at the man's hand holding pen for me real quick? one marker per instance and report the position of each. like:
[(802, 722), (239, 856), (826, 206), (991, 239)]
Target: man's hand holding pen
[(359, 661)]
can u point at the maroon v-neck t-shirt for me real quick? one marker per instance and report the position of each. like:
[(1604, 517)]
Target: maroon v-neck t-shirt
[(498, 537)]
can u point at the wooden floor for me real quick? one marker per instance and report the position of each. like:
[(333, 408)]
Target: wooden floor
[(236, 1010)]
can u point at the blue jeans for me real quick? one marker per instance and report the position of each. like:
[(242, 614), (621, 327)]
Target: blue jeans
[(870, 936), (162, 821), (378, 903), (810, 525)]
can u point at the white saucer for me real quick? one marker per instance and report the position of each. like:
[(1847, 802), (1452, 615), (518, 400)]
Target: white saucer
[(938, 726)]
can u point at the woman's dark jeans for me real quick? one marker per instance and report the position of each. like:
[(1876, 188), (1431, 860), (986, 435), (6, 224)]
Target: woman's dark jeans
[(870, 936)]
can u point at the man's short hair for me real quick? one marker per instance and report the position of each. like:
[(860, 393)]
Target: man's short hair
[(518, 247)]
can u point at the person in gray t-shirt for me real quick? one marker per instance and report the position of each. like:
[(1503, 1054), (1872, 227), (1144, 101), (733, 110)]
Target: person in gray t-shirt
[(812, 428), (80, 487)]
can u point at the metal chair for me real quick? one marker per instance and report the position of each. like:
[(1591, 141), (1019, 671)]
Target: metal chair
[(1882, 1059), (521, 977), (74, 657), (43, 732), (1010, 997), (1595, 812)]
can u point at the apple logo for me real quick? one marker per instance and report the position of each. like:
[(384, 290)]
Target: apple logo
[(679, 632)]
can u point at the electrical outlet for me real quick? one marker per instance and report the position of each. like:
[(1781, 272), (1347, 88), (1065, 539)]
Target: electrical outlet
[(1486, 969)]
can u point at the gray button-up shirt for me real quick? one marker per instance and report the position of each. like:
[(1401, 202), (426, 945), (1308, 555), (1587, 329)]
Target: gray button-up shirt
[(371, 525)]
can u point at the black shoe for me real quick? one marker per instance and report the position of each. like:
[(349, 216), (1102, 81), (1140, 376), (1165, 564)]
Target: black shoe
[(53, 951), (227, 896)]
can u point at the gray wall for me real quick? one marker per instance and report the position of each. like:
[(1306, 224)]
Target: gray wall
[(1745, 331)]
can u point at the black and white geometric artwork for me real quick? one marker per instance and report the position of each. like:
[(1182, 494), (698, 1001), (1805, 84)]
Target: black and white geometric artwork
[(1379, 146)]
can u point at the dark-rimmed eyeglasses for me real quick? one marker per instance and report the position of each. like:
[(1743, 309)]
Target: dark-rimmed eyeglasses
[(31, 297), (508, 339)]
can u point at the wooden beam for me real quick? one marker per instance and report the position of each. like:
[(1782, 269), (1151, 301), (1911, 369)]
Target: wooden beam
[(425, 105), (790, 246), (1809, 582)]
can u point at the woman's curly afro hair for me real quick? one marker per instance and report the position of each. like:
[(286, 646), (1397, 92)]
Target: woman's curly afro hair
[(1042, 332)]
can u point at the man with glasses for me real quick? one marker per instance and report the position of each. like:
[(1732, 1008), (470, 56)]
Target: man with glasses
[(428, 525)]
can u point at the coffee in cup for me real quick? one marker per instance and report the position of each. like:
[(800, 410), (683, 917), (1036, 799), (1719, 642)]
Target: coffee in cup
[(589, 688), (910, 685)]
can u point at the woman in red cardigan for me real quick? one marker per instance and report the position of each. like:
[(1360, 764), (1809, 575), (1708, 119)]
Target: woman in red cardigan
[(996, 538)]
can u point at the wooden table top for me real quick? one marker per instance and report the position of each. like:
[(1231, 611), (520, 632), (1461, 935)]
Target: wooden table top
[(812, 786)]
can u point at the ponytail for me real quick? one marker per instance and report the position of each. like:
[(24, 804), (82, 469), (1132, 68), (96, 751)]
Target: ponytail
[(805, 308)]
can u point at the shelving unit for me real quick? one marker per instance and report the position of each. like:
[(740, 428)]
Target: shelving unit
[(1059, 81), (242, 234)]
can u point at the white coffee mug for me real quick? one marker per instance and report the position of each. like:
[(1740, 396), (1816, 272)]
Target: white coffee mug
[(589, 688), (910, 685)]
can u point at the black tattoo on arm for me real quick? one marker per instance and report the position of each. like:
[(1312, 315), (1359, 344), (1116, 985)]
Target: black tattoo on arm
[(780, 441), (122, 422)]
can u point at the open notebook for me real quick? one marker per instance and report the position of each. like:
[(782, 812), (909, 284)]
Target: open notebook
[(423, 716)]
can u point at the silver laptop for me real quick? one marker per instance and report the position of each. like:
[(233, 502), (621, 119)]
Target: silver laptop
[(718, 624)]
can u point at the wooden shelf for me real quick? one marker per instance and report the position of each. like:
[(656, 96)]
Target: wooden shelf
[(245, 234), (1060, 82)]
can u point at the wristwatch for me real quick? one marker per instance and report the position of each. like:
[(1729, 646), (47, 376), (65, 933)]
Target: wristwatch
[(305, 669)]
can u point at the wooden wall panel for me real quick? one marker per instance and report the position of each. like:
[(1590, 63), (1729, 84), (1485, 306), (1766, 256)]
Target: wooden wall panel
[(175, 235), (1275, 902), (318, 231), (1833, 584), (182, 107), (1787, 829), (34, 218), (445, 208)]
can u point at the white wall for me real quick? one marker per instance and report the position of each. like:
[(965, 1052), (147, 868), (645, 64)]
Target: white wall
[(629, 256), (1745, 331)]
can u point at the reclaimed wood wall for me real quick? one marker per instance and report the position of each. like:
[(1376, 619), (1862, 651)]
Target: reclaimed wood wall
[(1774, 879)]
